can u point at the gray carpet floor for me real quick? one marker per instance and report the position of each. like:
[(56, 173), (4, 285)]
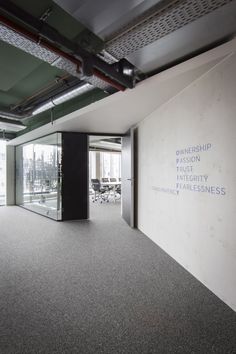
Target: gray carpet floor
[(100, 287)]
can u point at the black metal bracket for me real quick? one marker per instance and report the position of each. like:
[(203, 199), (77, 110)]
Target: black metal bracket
[(46, 14)]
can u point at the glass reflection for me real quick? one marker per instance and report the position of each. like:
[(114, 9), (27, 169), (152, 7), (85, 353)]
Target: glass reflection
[(38, 185), (2, 172)]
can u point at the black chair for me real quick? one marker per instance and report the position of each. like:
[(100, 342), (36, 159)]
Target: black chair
[(107, 187), (100, 193), (118, 191), (105, 180)]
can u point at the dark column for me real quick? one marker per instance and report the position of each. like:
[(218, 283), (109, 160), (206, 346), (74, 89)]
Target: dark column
[(75, 176)]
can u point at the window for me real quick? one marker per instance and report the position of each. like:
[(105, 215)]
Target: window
[(92, 164), (104, 164), (38, 186), (110, 164)]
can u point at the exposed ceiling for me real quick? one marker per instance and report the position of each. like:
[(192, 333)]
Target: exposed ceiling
[(152, 35), (118, 112), (108, 19)]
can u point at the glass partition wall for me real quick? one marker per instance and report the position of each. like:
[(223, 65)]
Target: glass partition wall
[(38, 176), (2, 172)]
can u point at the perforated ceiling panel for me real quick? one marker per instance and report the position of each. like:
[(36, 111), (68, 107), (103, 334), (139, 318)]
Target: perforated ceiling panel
[(160, 24)]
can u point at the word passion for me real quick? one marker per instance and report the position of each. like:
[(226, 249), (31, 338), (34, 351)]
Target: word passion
[(187, 178)]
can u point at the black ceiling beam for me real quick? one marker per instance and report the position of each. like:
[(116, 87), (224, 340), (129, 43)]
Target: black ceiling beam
[(89, 61)]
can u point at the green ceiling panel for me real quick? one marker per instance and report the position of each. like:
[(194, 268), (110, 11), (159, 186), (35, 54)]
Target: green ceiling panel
[(38, 79), (7, 100), (22, 75), (14, 66)]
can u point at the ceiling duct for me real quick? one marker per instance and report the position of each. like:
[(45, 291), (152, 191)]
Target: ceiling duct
[(9, 125), (65, 96), (13, 116), (17, 40), (47, 44), (55, 101), (157, 22), (104, 76), (154, 24)]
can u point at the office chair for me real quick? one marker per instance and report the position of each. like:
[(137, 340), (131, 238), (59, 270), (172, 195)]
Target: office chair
[(105, 179), (100, 193), (118, 191)]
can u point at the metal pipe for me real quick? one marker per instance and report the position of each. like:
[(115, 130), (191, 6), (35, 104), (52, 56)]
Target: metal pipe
[(55, 101), (16, 125), (14, 116), (108, 80), (51, 85), (63, 97), (37, 39), (48, 32)]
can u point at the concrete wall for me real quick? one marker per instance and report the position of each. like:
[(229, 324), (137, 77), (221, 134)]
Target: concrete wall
[(187, 178)]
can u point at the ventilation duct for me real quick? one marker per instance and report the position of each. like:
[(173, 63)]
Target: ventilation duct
[(9, 125), (55, 101), (65, 96), (17, 40), (42, 108), (13, 116), (45, 46), (154, 24)]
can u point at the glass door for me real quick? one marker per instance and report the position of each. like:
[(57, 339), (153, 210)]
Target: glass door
[(127, 173), (2, 172)]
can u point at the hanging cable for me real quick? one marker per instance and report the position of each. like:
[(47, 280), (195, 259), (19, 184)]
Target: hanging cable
[(52, 116)]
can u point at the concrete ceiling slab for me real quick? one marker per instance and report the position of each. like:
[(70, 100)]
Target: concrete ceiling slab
[(10, 62), (105, 17), (189, 39)]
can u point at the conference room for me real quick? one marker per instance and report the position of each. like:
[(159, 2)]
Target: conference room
[(104, 174)]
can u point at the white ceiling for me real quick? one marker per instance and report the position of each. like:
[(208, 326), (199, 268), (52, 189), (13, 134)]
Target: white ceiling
[(118, 112)]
